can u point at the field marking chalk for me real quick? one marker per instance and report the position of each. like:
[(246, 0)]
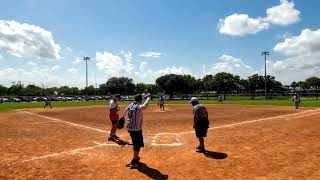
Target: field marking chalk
[(158, 135), (70, 152), (295, 116), (66, 122)]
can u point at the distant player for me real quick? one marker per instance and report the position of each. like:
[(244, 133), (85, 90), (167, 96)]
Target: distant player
[(201, 123), (161, 103), (114, 109), (219, 99), (47, 100), (134, 125), (296, 100)]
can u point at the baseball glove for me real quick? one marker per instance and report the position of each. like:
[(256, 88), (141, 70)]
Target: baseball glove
[(120, 123)]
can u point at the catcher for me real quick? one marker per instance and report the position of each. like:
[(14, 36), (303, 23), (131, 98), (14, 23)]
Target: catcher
[(114, 109)]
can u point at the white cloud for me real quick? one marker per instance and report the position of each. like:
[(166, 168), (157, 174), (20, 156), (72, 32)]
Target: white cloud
[(73, 70), (25, 40), (171, 70), (308, 42), (32, 63), (55, 67), (143, 66), (69, 49), (1, 57), (283, 14), (295, 68), (115, 65), (77, 60), (38, 75), (242, 24), (151, 54), (230, 64), (304, 60)]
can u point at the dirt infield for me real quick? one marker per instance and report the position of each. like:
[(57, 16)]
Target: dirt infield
[(244, 142)]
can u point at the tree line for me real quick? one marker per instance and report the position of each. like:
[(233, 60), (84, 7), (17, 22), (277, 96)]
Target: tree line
[(171, 84)]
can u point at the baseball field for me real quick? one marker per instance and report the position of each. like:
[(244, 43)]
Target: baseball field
[(244, 142)]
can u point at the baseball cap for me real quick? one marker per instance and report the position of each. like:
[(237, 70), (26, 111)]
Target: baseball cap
[(193, 99)]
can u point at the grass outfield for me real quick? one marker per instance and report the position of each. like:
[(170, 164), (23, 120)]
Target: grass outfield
[(273, 102)]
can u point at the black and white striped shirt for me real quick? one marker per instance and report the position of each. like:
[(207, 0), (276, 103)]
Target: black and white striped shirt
[(135, 115)]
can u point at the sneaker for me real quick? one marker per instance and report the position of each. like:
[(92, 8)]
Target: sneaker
[(115, 136), (200, 149), (134, 165)]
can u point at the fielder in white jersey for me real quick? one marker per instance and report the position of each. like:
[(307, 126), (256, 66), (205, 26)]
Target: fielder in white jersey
[(296, 100), (134, 114)]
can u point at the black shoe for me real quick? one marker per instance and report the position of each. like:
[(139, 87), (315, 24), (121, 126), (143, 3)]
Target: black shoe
[(134, 163), (200, 149), (115, 136)]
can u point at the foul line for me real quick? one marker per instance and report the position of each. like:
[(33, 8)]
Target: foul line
[(74, 151), (292, 116), (179, 143), (66, 122)]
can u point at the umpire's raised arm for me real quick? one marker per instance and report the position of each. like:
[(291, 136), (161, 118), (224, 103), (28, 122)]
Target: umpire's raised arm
[(146, 103)]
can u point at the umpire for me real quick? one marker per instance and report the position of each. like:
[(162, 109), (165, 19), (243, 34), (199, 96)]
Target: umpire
[(134, 126), (200, 123)]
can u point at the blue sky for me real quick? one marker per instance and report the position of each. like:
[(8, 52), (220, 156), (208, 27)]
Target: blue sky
[(145, 39)]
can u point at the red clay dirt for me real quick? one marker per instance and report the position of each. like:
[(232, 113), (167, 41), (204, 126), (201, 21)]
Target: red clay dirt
[(244, 142)]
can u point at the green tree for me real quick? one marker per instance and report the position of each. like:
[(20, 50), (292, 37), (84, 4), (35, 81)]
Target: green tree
[(225, 83), (179, 84), (255, 82), (3, 90), (302, 85), (32, 90), (315, 83), (141, 88), (294, 85), (90, 90), (16, 89), (122, 85)]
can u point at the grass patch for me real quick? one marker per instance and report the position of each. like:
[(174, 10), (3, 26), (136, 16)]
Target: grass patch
[(230, 100)]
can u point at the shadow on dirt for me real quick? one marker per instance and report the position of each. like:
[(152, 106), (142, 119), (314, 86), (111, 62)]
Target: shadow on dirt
[(122, 142), (215, 155), (151, 173)]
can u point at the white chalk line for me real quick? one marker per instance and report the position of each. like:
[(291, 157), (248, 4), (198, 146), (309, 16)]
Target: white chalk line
[(66, 122), (158, 135), (70, 152), (179, 143), (155, 137)]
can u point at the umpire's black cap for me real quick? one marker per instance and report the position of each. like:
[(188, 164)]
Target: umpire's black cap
[(138, 98)]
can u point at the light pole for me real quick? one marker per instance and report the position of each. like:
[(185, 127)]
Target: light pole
[(86, 59), (265, 54)]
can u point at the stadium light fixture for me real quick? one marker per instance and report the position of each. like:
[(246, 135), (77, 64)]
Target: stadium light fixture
[(265, 54), (86, 59)]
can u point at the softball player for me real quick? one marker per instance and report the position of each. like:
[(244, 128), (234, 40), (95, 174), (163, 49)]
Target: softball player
[(161, 103), (134, 113), (296, 100), (114, 108), (47, 100), (201, 123)]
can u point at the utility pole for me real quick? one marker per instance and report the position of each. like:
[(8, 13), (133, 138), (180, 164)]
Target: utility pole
[(265, 54), (86, 59)]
